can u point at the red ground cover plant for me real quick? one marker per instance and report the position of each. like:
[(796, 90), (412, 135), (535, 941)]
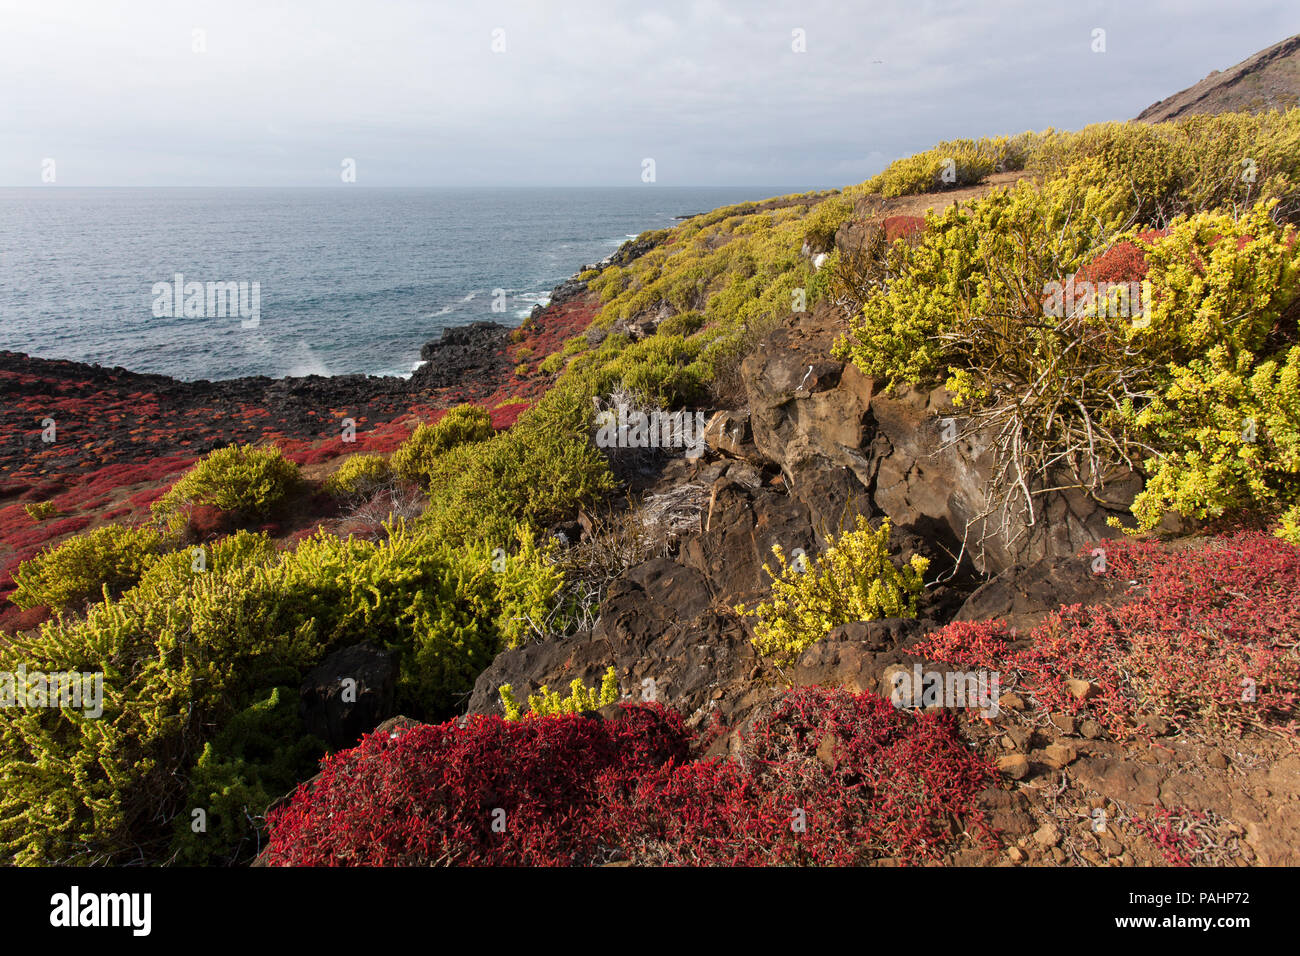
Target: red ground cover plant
[(1122, 262), (897, 227), (23, 545), (504, 416), (431, 795), (828, 777), (1169, 831), (1210, 634)]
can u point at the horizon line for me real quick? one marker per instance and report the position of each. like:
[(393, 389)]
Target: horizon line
[(355, 186)]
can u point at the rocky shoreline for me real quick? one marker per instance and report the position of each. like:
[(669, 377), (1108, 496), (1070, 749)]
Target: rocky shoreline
[(101, 444), (810, 444)]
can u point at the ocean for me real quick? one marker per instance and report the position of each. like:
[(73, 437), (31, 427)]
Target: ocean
[(332, 281)]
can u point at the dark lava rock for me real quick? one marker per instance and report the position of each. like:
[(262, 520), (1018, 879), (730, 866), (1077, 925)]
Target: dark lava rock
[(634, 249), (856, 655), (341, 713), (465, 355), (571, 288), (1024, 595), (664, 633)]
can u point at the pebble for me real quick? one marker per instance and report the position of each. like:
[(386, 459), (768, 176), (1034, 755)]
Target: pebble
[(1064, 723), (1080, 689), (1014, 766), (1047, 835), (1061, 755)]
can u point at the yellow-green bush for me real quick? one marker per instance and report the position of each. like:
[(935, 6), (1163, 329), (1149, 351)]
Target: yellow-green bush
[(173, 573), (556, 360), (40, 510), (359, 476), (77, 570), (192, 662), (855, 579), (1218, 279), (445, 609), (80, 789), (968, 295), (1166, 391), (1229, 433), (959, 162), (683, 324), (536, 473), (1188, 165), (1288, 528), (738, 267), (1193, 164), (248, 481), (825, 219), (548, 703), (462, 425)]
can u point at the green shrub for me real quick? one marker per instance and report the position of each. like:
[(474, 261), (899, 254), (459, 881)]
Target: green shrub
[(192, 662), (968, 306), (951, 164), (1219, 279), (660, 370), (856, 579), (40, 510), (683, 324), (462, 425), (1288, 528), (824, 221), (261, 754), (77, 570), (1223, 420), (538, 472), (1195, 164), (1074, 395), (173, 573), (1229, 435), (737, 267), (445, 609), (247, 481), (969, 294), (175, 665), (359, 477), (822, 282)]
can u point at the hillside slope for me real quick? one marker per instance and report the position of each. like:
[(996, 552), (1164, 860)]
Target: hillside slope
[(1268, 80)]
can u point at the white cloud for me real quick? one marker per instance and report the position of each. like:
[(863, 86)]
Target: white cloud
[(710, 88)]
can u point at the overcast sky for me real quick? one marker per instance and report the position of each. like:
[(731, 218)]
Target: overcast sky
[(714, 92)]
